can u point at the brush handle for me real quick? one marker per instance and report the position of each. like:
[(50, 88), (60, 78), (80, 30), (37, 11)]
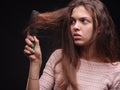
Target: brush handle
[(33, 45), (33, 32)]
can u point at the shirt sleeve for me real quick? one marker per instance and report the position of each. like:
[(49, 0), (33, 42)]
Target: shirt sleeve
[(47, 78), (116, 86), (116, 81)]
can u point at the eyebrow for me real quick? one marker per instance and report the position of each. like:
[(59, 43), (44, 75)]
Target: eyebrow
[(89, 18)]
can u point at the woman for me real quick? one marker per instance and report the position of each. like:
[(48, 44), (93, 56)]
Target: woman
[(89, 56)]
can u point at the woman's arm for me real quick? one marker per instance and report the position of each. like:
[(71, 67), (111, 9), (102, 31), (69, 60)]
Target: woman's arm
[(47, 20), (35, 58), (33, 78)]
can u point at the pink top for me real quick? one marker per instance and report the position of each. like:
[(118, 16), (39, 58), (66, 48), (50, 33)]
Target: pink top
[(90, 76)]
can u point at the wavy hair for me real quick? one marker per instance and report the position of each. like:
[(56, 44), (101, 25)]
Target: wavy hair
[(106, 43)]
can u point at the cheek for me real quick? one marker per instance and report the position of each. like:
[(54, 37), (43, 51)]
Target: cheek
[(88, 33)]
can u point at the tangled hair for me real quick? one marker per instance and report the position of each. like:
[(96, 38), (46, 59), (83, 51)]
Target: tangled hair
[(106, 43), (48, 20)]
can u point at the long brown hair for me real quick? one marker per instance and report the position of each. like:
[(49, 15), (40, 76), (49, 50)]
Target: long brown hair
[(106, 42), (48, 20)]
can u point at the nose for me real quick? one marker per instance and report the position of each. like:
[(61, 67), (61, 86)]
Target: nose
[(76, 26)]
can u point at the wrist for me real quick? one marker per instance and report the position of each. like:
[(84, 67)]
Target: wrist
[(34, 71), (33, 78), (37, 62)]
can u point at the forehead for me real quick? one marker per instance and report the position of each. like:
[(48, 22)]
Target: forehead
[(80, 11)]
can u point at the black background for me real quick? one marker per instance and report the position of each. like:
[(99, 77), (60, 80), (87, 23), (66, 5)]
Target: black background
[(14, 15)]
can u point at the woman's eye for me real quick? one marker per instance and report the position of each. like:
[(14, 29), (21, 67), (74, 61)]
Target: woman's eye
[(84, 21), (72, 21)]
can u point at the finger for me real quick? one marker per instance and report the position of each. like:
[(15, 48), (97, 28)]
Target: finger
[(30, 37), (28, 42), (27, 53), (32, 57), (36, 41), (38, 48), (29, 48)]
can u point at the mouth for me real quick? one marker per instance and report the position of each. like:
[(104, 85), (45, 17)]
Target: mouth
[(77, 36)]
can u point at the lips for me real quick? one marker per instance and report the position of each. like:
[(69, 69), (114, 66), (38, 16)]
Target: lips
[(76, 36)]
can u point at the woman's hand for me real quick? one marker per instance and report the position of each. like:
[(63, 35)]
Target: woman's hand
[(34, 54)]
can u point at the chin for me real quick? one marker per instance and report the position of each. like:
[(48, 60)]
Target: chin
[(79, 44)]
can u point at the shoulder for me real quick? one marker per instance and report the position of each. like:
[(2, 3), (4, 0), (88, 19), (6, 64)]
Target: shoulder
[(57, 53), (115, 74), (55, 56), (116, 66)]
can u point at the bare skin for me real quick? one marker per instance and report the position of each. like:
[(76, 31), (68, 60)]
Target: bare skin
[(35, 57)]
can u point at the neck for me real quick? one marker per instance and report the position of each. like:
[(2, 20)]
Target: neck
[(88, 52)]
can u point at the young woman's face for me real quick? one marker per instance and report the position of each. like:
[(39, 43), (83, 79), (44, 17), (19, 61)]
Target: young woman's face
[(81, 26)]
